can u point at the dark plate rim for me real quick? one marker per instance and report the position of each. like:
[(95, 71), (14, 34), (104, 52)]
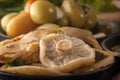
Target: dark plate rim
[(108, 38)]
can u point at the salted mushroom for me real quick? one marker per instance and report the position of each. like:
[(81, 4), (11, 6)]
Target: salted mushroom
[(82, 34), (32, 70), (24, 47), (65, 53)]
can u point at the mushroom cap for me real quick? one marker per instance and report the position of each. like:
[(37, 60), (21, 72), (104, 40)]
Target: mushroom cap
[(75, 54)]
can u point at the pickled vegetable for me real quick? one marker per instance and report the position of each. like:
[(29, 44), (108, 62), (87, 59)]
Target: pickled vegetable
[(5, 20), (43, 12), (20, 24), (74, 13)]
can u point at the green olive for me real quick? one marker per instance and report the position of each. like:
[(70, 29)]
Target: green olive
[(49, 26), (5, 20), (63, 21), (74, 13), (91, 18), (61, 18), (43, 11)]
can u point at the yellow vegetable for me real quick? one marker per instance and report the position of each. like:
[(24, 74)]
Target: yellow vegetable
[(43, 11), (5, 20), (20, 24)]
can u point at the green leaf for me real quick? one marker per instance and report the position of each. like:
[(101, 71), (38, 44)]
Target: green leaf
[(56, 2), (17, 62), (98, 55)]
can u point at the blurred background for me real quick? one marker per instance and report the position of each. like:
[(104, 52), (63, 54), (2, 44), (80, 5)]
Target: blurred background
[(108, 10)]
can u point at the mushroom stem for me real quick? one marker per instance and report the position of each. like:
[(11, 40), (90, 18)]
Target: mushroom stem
[(63, 46)]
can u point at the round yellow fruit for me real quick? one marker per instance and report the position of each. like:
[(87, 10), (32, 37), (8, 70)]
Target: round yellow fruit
[(43, 12), (5, 20), (20, 24)]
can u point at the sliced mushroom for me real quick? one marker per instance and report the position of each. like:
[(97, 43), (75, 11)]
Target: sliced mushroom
[(23, 47), (32, 70), (81, 34)]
